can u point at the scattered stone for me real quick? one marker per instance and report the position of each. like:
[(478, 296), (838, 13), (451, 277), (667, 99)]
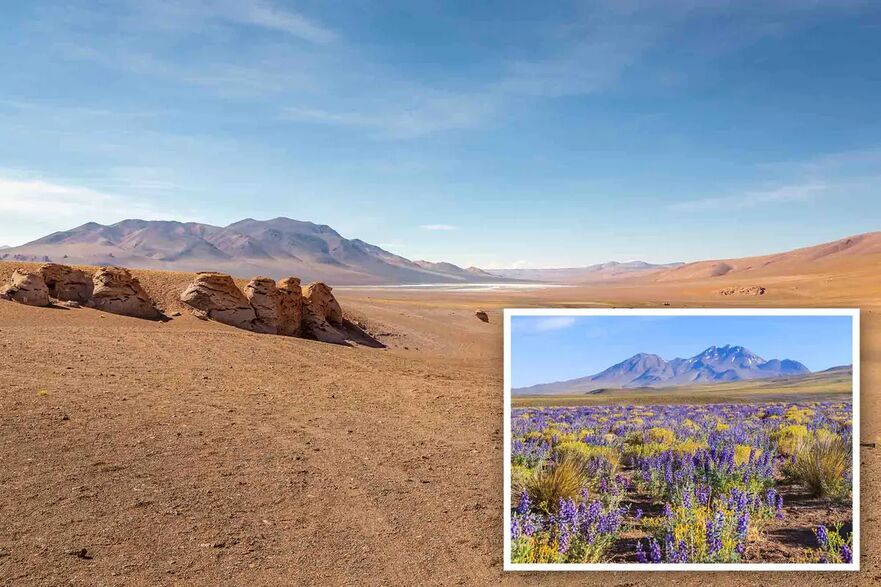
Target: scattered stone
[(482, 316), (66, 283), (755, 290), (215, 296), (118, 292), (26, 288), (175, 314), (80, 553), (69, 304)]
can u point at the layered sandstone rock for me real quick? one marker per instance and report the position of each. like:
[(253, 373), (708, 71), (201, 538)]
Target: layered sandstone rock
[(26, 288), (292, 299), (215, 296), (278, 307), (322, 314), (116, 291), (321, 303), (66, 283)]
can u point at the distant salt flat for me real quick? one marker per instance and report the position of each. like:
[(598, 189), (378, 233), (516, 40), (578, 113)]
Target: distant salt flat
[(453, 287)]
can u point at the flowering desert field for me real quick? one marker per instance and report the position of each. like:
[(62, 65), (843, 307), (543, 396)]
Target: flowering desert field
[(713, 483)]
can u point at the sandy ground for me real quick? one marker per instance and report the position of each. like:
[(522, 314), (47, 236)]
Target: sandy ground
[(191, 453)]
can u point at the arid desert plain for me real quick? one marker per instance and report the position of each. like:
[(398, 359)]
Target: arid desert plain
[(187, 452)]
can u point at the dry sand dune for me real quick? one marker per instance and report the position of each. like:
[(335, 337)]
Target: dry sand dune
[(191, 453)]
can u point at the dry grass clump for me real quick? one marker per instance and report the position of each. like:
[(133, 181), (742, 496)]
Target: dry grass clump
[(554, 481), (821, 465)]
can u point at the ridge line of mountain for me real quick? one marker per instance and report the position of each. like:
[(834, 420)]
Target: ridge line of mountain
[(716, 364), (277, 248)]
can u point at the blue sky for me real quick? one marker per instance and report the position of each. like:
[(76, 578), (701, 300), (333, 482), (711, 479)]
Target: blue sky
[(501, 134), (557, 348)]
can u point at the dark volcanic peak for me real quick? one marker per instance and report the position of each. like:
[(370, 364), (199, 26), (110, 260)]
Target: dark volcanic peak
[(279, 247), (714, 365)]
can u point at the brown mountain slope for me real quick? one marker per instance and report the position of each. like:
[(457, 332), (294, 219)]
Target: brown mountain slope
[(862, 248)]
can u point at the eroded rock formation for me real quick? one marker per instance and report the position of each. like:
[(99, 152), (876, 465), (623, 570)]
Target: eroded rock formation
[(278, 306), (320, 300), (67, 284), (292, 301), (215, 296), (26, 288), (116, 291), (268, 307)]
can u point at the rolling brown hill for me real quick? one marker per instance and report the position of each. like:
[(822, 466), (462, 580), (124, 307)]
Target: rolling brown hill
[(861, 248)]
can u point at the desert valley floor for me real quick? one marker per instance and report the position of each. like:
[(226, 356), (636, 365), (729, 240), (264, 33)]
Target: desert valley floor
[(188, 452)]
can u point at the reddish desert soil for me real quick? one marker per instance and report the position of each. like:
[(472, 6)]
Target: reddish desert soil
[(191, 453)]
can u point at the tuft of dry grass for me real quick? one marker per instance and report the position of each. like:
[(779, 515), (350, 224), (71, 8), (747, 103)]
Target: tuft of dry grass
[(821, 464), (563, 479)]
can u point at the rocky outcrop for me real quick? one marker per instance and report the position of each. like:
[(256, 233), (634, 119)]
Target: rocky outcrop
[(321, 303), (268, 307), (215, 296), (67, 284), (482, 316), (292, 305), (323, 317), (278, 307), (753, 290), (26, 288), (116, 291)]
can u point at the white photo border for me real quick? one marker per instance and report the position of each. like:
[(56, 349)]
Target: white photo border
[(853, 313)]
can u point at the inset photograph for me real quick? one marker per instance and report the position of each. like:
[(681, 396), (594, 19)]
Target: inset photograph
[(681, 439)]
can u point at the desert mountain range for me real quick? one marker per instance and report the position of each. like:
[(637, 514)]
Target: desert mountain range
[(713, 365), (610, 270), (276, 248), (817, 258), (283, 247)]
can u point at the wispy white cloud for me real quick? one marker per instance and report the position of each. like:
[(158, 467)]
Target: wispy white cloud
[(180, 15), (264, 14), (416, 112), (753, 199), (438, 227), (40, 199)]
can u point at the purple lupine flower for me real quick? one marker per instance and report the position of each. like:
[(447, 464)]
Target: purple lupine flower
[(638, 513), (668, 511), (703, 495), (680, 553), (846, 553), (779, 514), (524, 503), (822, 536), (743, 524), (714, 532), (655, 551), (640, 554)]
